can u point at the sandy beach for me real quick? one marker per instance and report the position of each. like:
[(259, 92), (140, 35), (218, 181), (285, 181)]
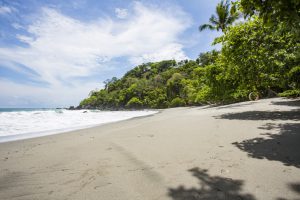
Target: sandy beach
[(248, 150)]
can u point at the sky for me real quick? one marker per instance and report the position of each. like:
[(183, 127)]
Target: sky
[(53, 52)]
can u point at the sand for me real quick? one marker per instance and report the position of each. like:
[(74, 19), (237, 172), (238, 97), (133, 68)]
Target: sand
[(248, 150)]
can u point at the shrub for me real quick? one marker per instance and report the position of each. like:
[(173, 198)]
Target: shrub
[(294, 76), (203, 95), (290, 93), (134, 103), (177, 102)]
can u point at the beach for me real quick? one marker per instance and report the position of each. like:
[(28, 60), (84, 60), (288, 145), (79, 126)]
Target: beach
[(248, 150)]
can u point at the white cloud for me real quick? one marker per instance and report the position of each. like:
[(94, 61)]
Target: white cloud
[(5, 10), (17, 26), (60, 47), (171, 51), (121, 13)]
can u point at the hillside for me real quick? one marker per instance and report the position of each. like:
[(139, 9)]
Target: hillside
[(254, 58)]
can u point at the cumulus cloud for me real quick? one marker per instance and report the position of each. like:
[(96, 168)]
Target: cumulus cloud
[(121, 13), (59, 47), (5, 10)]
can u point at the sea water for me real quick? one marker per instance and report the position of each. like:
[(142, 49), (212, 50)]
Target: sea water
[(19, 123)]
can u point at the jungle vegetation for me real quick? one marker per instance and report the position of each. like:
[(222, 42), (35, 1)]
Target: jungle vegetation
[(258, 54)]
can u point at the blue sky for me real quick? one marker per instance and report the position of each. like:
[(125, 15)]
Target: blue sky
[(53, 52)]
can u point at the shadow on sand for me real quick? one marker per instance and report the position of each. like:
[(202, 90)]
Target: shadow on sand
[(263, 115), (283, 147), (211, 188), (295, 187), (295, 103)]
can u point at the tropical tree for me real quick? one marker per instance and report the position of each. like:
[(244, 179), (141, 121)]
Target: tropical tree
[(269, 58), (274, 11), (225, 16), (207, 58)]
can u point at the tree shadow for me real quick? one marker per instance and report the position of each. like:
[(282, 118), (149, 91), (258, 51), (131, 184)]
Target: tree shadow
[(283, 147), (211, 188), (262, 115), (232, 105), (295, 187), (236, 105), (294, 103)]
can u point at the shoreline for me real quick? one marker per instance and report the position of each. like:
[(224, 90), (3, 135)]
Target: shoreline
[(31, 135), (233, 151)]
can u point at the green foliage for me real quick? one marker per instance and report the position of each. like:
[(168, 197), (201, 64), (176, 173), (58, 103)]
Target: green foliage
[(204, 95), (177, 102), (156, 98), (294, 76), (91, 101), (290, 93), (225, 17), (207, 58), (151, 85), (134, 103), (267, 57), (174, 85), (256, 56), (274, 11)]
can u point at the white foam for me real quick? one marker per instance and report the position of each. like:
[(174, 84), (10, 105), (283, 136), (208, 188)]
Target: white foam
[(28, 124)]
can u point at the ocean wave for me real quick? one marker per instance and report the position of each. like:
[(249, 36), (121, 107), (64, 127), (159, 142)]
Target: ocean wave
[(34, 122)]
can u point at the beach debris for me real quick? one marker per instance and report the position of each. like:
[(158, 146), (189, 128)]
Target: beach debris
[(224, 171)]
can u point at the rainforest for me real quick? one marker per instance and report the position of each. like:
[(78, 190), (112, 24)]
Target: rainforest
[(259, 56)]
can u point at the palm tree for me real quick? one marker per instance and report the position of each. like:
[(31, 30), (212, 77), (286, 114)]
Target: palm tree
[(225, 17)]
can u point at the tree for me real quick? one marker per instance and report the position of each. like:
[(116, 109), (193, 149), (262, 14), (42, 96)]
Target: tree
[(274, 11), (134, 103), (207, 58), (176, 102), (174, 85), (109, 82), (257, 57), (224, 17)]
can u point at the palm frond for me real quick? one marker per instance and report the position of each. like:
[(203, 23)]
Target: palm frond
[(232, 18), (222, 12), (213, 20), (226, 5), (206, 26), (225, 16)]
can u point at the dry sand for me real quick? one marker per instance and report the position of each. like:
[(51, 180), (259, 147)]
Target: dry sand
[(249, 150)]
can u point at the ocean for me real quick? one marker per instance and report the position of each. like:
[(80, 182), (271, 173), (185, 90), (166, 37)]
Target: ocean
[(23, 123)]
